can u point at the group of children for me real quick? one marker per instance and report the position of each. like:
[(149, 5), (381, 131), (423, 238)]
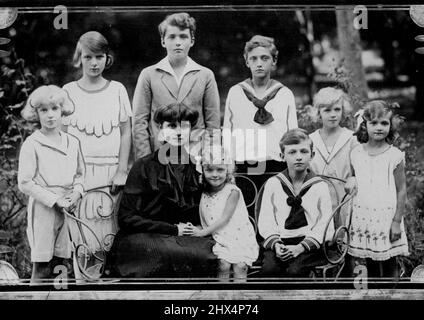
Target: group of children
[(85, 138)]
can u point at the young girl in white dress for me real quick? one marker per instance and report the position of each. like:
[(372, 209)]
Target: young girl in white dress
[(377, 232), (51, 173), (223, 214), (333, 144), (101, 122)]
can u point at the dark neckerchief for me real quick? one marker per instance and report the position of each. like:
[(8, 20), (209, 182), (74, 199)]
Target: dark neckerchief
[(262, 116), (296, 218)]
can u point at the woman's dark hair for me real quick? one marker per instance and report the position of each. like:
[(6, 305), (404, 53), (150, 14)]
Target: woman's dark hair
[(176, 112), (375, 109)]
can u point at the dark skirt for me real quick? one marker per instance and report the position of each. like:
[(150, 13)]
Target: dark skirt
[(152, 255)]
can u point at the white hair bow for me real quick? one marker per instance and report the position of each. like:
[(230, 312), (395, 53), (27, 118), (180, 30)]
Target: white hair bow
[(359, 116)]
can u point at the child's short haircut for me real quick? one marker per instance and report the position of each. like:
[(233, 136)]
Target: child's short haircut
[(45, 95), (181, 20), (261, 41), (329, 96), (295, 136), (93, 42), (175, 112), (375, 109)]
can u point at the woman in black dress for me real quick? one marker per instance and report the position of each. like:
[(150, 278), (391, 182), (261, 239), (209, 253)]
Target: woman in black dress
[(159, 203)]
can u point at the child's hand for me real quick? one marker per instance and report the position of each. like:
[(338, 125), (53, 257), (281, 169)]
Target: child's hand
[(73, 197), (63, 203), (118, 181), (196, 231), (395, 233), (279, 249), (291, 252), (351, 185)]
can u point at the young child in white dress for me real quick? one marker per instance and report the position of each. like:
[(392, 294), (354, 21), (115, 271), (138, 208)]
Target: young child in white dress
[(332, 145), (223, 214), (51, 172), (101, 122), (377, 232)]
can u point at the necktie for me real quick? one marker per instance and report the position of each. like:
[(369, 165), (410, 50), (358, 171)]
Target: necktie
[(262, 116), (296, 218)]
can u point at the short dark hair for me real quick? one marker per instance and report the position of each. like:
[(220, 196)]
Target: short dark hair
[(295, 136), (176, 112), (181, 20)]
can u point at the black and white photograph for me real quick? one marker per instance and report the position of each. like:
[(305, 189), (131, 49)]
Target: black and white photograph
[(233, 153)]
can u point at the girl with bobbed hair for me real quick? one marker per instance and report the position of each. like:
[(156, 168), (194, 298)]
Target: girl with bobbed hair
[(46, 95), (333, 144), (51, 172), (101, 122)]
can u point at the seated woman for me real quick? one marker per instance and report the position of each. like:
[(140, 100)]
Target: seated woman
[(159, 206)]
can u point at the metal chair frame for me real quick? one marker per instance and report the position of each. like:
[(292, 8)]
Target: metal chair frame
[(82, 252), (337, 239)]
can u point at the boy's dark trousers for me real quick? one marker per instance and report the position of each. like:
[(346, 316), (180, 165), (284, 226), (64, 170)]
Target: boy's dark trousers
[(299, 267)]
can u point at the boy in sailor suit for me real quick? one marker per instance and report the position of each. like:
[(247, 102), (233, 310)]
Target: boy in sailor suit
[(294, 212)]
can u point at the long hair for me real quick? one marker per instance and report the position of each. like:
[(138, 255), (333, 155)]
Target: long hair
[(375, 109)]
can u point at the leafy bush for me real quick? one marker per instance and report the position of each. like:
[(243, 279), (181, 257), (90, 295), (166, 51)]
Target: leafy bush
[(16, 82)]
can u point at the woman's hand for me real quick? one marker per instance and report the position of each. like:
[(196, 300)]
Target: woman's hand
[(291, 252), (118, 181), (395, 233), (351, 186)]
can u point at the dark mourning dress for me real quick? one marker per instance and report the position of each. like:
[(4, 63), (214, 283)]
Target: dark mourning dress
[(156, 197)]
